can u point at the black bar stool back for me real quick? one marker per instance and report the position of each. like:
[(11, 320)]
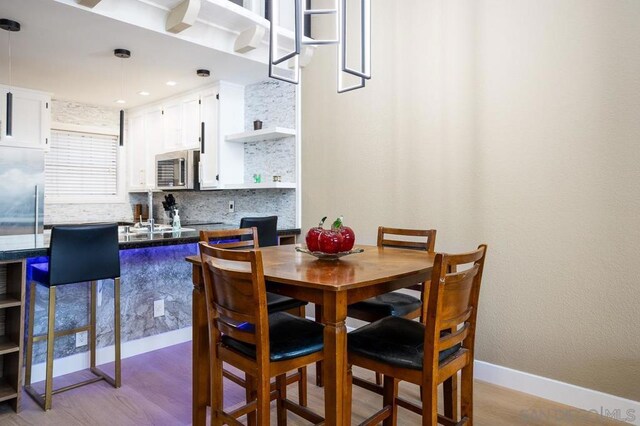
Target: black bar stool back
[(267, 229)]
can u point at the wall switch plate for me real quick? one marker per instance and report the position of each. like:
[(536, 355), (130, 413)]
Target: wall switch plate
[(158, 308), (82, 338), (232, 207)]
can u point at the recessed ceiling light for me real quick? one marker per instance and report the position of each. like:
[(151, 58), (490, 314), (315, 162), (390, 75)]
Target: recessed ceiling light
[(171, 83), (121, 101), (143, 93)]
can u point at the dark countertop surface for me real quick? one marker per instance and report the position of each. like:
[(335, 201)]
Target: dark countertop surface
[(25, 246)]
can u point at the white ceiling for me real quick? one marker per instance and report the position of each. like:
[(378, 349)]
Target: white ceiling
[(69, 52)]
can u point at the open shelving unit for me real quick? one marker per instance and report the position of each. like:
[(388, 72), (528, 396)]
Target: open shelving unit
[(12, 289), (269, 134), (265, 185)]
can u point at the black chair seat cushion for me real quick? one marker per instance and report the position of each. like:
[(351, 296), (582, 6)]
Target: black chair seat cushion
[(395, 341), (40, 273), (389, 304), (278, 303), (289, 337)]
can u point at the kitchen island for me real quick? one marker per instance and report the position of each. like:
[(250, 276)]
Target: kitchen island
[(156, 297)]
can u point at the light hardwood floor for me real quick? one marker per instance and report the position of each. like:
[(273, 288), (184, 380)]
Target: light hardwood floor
[(157, 391)]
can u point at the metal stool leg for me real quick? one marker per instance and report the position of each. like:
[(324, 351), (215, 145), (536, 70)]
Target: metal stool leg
[(29, 360), (48, 393), (116, 331), (92, 325)]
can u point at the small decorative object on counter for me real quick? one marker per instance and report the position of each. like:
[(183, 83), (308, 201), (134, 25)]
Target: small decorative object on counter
[(170, 206), (257, 125), (337, 240), (277, 178), (176, 220), (257, 178)]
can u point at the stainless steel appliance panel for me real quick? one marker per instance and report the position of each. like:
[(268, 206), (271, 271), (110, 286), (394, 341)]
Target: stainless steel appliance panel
[(22, 190)]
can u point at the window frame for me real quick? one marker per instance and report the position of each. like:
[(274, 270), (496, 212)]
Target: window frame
[(119, 196)]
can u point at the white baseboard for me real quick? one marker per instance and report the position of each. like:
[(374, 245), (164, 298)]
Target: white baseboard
[(564, 393), (104, 355)]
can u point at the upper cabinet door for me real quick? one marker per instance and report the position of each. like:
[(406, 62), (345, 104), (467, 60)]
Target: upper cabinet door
[(136, 154), (153, 120), (172, 124), (209, 116), (191, 122), (30, 118)]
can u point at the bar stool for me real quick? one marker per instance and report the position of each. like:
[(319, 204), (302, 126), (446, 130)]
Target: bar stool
[(267, 229), (78, 253)]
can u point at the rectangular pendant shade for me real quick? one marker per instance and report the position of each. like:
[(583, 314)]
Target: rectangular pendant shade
[(121, 127), (9, 113)]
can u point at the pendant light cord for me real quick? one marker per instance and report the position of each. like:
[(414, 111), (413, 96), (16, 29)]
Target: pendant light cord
[(10, 62)]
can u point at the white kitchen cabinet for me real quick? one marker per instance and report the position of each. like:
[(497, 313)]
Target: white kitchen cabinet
[(197, 120), (153, 130), (172, 126), (31, 118), (181, 123), (191, 121), (136, 154), (209, 113), (144, 139)]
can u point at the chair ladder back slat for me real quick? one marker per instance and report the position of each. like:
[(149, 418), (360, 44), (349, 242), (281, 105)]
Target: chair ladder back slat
[(247, 336), (231, 238), (452, 339), (418, 242)]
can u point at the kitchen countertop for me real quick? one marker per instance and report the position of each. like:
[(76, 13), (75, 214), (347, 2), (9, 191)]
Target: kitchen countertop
[(25, 246)]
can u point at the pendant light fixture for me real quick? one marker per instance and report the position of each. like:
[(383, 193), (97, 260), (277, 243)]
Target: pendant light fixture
[(301, 18), (9, 26), (122, 54)]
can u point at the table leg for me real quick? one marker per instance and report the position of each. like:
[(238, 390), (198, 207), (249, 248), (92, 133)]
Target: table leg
[(318, 310), (335, 357), (200, 362)]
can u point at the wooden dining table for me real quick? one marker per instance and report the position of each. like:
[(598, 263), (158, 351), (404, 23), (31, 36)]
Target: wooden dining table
[(331, 284)]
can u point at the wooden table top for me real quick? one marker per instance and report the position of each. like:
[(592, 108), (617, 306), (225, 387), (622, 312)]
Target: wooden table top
[(282, 264)]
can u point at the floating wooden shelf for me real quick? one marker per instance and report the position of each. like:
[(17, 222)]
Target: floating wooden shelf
[(7, 392), (9, 301), (262, 135), (7, 346), (266, 185)]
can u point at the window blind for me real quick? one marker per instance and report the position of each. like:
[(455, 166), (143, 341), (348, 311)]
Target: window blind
[(81, 164)]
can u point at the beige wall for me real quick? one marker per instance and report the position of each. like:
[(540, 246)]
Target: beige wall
[(510, 122)]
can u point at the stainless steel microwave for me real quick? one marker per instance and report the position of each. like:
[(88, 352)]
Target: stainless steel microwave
[(178, 170)]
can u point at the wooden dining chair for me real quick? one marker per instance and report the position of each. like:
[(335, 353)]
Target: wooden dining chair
[(243, 334), (426, 354), (394, 303), (247, 238)]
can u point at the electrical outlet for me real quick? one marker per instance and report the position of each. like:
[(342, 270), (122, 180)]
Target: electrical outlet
[(158, 308), (232, 207), (82, 338)]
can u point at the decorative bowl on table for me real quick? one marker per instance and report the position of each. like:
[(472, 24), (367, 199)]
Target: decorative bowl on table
[(328, 256)]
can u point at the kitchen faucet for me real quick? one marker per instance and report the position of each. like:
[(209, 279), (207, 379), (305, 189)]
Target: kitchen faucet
[(150, 202)]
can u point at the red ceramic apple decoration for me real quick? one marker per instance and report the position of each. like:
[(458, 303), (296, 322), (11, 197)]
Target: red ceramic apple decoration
[(330, 241), (338, 239), (348, 236), (312, 236)]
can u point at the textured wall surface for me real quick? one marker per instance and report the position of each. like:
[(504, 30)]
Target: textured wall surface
[(196, 207), (511, 123)]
